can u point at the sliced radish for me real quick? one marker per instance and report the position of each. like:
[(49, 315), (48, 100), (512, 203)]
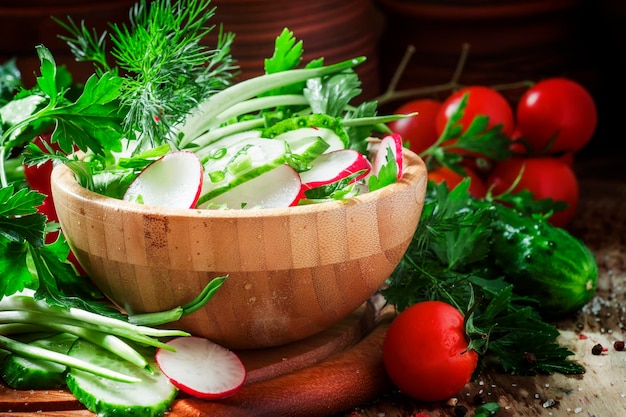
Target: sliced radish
[(393, 142), (201, 368), (280, 187), (335, 166), (174, 180)]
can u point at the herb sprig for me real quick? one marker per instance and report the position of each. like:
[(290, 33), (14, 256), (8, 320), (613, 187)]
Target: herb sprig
[(167, 69), (444, 261)]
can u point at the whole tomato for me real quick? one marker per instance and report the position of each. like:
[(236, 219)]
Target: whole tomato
[(441, 174), (419, 131), (481, 100), (425, 351), (545, 177), (559, 109)]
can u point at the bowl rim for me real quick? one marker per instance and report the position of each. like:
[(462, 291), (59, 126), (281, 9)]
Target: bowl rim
[(414, 168)]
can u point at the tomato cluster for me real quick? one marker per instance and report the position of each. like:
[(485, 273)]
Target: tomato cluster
[(553, 120)]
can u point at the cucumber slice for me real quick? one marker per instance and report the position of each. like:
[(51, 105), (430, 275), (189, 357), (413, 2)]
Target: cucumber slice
[(305, 149), (226, 142), (28, 373), (331, 129), (152, 396), (240, 163), (335, 142)]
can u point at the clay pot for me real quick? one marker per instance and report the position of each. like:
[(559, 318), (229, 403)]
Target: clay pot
[(333, 29), (510, 41), (24, 24)]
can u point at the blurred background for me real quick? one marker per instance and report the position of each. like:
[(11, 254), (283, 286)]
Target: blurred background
[(509, 40)]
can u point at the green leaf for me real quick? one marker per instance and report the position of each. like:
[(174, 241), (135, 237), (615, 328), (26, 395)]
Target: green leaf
[(388, 173), (330, 95), (47, 81), (94, 121), (14, 272), (287, 53)]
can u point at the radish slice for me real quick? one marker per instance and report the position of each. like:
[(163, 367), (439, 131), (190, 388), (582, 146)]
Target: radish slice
[(174, 180), (393, 142), (334, 166), (280, 187), (201, 368)]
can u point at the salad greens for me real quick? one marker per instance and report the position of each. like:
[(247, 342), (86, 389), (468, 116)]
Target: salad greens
[(167, 91)]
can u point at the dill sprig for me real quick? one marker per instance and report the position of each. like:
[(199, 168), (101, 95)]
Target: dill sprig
[(167, 68)]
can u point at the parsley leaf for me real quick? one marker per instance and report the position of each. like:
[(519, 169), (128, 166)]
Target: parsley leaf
[(444, 261)]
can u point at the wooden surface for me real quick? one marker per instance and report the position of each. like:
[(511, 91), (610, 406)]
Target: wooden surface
[(339, 373)]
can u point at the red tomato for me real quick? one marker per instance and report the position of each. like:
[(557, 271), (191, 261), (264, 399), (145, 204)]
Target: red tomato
[(557, 107), (425, 351), (38, 177), (419, 130), (545, 177), (481, 101), (477, 186)]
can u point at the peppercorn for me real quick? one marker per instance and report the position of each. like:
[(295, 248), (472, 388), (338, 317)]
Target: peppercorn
[(619, 345), (596, 349), (460, 411)]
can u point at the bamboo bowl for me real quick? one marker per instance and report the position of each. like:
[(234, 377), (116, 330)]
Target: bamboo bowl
[(292, 272)]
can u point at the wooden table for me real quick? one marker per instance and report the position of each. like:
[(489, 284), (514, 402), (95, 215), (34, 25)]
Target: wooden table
[(339, 373)]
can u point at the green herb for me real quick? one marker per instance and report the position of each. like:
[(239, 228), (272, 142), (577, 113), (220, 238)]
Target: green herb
[(490, 142), (486, 410), (168, 70), (445, 261)]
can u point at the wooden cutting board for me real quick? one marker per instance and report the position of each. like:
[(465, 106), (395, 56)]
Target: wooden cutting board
[(326, 373), (339, 372)]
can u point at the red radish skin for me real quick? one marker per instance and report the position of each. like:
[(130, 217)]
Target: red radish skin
[(174, 180), (201, 368), (335, 166), (393, 142)]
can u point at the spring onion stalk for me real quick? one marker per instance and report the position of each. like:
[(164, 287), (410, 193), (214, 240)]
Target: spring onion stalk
[(259, 103), (155, 319), (202, 118), (107, 341), (120, 327), (35, 352)]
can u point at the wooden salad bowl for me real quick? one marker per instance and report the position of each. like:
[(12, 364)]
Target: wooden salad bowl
[(292, 272)]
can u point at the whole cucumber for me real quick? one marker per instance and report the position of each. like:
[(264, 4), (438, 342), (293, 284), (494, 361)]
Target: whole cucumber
[(543, 261)]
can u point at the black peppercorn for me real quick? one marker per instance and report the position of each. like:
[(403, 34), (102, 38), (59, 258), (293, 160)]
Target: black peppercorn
[(596, 349)]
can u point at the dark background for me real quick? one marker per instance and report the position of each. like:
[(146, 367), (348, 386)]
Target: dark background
[(509, 41)]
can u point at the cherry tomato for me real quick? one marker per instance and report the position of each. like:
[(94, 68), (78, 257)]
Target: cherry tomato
[(480, 101), (545, 177), (557, 108), (419, 130), (38, 177), (425, 351), (477, 186)]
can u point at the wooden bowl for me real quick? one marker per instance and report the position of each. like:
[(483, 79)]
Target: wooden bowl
[(292, 272)]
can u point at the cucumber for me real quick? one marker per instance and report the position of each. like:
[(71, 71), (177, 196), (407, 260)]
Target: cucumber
[(331, 129), (152, 396), (28, 373), (239, 163), (543, 261)]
